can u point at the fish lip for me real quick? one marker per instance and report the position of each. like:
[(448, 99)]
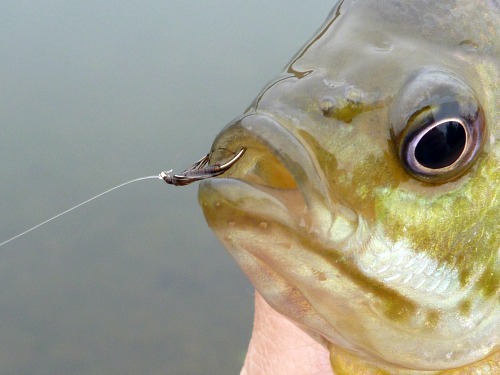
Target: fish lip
[(292, 154), (264, 130)]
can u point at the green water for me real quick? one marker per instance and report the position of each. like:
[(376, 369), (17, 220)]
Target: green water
[(96, 93)]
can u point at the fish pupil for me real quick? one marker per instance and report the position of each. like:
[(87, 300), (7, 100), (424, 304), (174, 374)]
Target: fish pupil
[(441, 146)]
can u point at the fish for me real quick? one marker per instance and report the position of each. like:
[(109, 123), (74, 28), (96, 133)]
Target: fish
[(366, 205)]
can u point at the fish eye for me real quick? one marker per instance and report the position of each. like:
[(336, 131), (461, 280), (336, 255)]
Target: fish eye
[(437, 126)]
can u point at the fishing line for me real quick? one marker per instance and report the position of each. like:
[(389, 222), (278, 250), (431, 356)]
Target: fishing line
[(75, 207), (200, 170)]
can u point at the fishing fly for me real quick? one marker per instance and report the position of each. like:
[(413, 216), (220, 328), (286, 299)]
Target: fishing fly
[(200, 170)]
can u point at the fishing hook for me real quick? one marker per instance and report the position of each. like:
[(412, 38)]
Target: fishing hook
[(200, 170)]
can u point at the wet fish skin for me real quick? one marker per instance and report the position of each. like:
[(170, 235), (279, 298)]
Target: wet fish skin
[(394, 272)]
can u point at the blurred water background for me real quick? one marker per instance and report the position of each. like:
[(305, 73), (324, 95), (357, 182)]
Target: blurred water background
[(95, 93)]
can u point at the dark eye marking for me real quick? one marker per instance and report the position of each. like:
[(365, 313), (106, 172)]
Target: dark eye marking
[(437, 126), (441, 145)]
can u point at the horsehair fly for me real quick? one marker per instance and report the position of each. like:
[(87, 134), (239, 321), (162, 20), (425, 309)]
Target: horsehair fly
[(200, 170)]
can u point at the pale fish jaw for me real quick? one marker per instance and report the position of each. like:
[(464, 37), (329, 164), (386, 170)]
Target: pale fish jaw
[(262, 204)]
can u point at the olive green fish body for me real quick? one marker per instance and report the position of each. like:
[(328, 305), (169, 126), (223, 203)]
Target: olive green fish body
[(366, 205)]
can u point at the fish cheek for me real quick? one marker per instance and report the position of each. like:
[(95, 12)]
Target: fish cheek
[(456, 226), (357, 159)]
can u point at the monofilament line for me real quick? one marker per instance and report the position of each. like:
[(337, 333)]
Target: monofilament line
[(75, 207)]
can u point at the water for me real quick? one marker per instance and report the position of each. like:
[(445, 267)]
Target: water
[(100, 92), (57, 216)]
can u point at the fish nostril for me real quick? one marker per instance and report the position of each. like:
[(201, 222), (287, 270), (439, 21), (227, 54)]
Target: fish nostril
[(326, 106), (344, 103)]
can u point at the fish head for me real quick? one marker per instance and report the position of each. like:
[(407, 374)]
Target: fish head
[(366, 205)]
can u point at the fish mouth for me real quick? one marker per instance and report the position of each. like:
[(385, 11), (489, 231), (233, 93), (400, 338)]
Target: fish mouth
[(277, 180)]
